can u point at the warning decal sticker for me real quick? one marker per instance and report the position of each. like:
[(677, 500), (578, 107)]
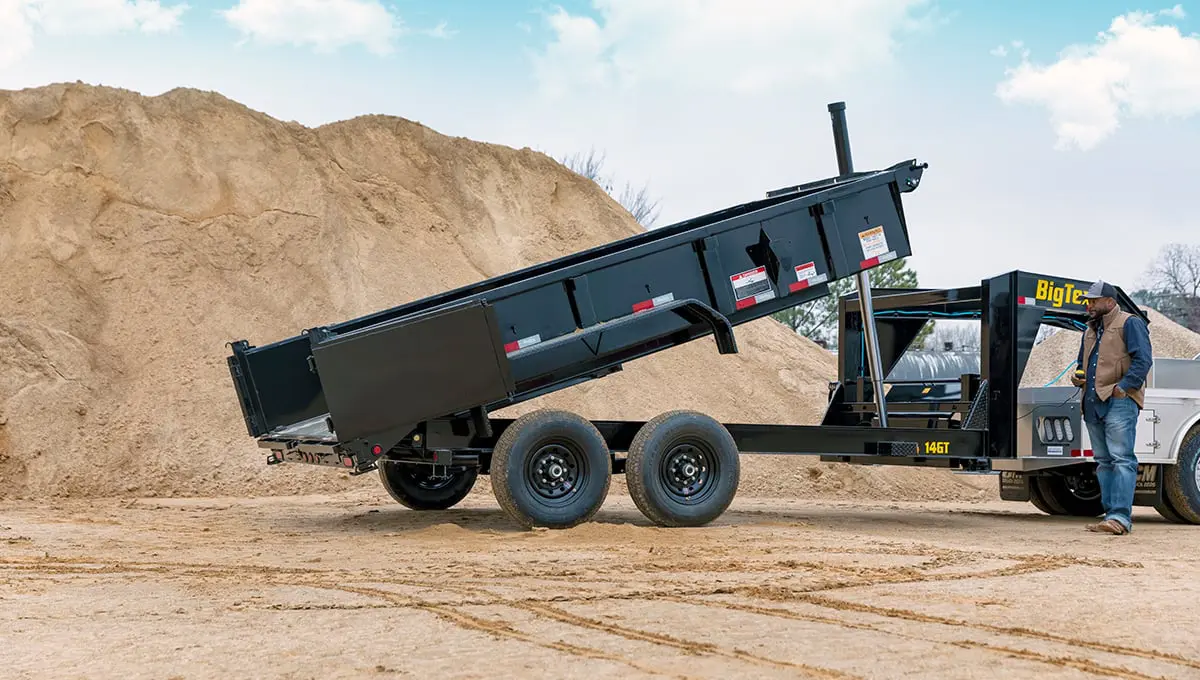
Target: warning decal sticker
[(806, 275), (875, 248), (874, 242), (751, 287)]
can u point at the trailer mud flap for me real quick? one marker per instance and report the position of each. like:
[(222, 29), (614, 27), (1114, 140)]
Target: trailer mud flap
[(1015, 486), (1148, 488)]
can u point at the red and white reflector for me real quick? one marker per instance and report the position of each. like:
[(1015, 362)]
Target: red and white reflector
[(653, 302), (751, 301), (522, 343), (877, 260)]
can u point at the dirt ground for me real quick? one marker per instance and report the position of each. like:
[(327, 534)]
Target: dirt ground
[(353, 585)]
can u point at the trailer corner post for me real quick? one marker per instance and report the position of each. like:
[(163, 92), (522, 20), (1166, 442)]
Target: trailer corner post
[(841, 143)]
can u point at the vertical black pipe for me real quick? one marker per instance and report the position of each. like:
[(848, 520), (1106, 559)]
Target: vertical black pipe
[(841, 144), (841, 138)]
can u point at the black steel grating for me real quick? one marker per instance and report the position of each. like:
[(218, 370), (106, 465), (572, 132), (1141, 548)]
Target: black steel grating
[(977, 417)]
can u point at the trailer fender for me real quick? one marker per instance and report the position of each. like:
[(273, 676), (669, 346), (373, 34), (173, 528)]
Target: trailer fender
[(1180, 434), (1182, 480)]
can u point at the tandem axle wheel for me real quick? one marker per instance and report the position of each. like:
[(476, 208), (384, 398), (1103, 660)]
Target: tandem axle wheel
[(683, 469), (553, 469)]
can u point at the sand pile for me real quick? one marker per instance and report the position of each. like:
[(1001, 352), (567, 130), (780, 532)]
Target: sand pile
[(1050, 357), (140, 234)]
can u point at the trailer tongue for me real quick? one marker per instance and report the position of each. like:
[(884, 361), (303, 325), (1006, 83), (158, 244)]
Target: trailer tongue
[(409, 390)]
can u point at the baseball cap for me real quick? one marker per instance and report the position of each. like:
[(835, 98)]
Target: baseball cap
[(1100, 289)]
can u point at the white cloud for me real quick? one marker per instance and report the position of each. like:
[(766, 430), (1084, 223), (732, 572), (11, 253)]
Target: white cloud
[(19, 18), (325, 24), (1138, 68), (97, 17), (1176, 11), (749, 46), (441, 32), (16, 32)]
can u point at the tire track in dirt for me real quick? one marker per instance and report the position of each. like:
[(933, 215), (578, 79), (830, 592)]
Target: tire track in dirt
[(477, 595), (496, 628), (1084, 665), (1057, 661), (547, 611), (318, 578), (322, 579), (1017, 631), (687, 646)]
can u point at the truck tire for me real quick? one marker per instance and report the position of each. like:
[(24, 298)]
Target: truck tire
[(1035, 497), (1076, 495), (551, 469), (683, 469), (414, 486), (1168, 513), (1181, 481)]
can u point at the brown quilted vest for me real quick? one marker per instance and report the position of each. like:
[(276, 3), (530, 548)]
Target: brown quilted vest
[(1114, 359)]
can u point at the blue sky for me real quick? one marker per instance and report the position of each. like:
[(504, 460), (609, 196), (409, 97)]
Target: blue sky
[(1081, 162)]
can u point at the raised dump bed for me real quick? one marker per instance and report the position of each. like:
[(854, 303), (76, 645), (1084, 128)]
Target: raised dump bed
[(389, 386)]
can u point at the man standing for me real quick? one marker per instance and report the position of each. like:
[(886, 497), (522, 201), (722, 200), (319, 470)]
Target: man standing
[(1116, 356)]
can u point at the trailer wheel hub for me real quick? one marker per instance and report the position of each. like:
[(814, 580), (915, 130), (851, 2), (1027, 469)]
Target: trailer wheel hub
[(687, 471), (554, 471)]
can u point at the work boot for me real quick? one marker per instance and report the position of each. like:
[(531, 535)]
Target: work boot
[(1108, 526)]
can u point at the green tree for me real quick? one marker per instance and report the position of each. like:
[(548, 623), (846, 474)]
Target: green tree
[(817, 320)]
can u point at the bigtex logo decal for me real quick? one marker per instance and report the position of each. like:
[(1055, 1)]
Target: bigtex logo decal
[(1058, 295)]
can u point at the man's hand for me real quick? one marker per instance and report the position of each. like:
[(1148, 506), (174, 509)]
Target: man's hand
[(1078, 379), (1118, 392)]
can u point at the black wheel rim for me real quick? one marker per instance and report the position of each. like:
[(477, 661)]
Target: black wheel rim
[(1084, 487), (688, 471), (555, 471)]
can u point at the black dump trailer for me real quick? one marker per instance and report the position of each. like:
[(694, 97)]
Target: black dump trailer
[(408, 391)]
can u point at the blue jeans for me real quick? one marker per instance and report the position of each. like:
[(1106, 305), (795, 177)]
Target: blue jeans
[(1112, 444)]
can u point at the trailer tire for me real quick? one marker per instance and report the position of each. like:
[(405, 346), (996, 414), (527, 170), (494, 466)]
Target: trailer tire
[(1181, 481), (1059, 496), (551, 469), (411, 486), (683, 469)]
